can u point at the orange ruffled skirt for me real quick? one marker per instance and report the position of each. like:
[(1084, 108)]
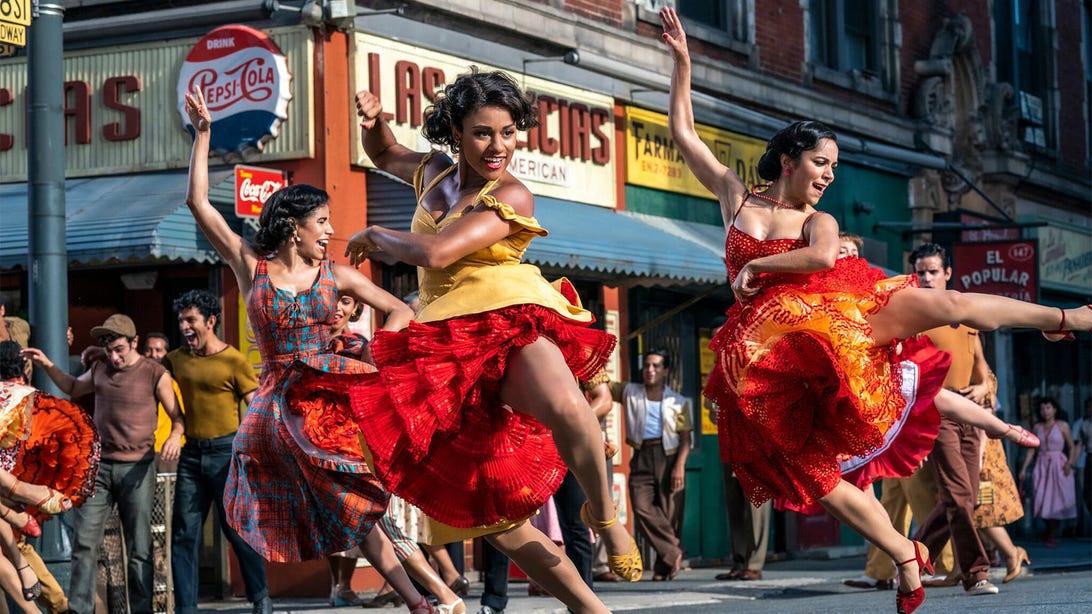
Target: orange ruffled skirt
[(61, 451), (799, 383), (439, 435)]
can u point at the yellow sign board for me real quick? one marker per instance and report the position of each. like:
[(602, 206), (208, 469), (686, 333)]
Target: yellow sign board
[(6, 51), (15, 11), (13, 34), (653, 161)]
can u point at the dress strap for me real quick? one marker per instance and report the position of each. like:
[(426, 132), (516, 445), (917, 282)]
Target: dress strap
[(419, 176)]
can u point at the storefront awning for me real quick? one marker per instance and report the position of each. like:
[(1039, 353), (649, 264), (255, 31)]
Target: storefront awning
[(585, 241), (120, 219), (620, 249)]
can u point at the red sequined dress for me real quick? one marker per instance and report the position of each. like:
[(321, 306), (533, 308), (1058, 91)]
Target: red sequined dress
[(798, 381), (439, 435)]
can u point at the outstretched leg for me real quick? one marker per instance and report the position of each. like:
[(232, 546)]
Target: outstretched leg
[(539, 383), (544, 562), (959, 408), (916, 310)]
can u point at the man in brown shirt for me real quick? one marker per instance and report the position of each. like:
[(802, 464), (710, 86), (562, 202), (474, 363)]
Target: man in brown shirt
[(127, 387), (955, 457)]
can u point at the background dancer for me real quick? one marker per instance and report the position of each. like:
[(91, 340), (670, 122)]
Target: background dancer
[(291, 501)]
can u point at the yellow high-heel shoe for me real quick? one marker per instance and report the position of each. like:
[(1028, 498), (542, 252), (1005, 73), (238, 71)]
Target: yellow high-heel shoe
[(628, 566)]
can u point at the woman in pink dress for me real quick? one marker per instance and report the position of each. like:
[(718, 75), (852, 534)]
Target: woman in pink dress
[(1055, 496)]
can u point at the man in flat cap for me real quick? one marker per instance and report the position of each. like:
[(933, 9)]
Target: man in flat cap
[(127, 387)]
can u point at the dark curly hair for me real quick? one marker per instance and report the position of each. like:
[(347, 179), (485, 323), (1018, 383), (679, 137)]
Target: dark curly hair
[(286, 208), (204, 301), (792, 140), (926, 250), (470, 92), (12, 362)]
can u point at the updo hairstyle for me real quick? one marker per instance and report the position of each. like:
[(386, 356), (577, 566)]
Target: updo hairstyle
[(283, 211), (792, 140), (470, 92)]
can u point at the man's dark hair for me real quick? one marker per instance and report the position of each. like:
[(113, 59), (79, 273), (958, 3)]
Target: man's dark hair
[(148, 337), (12, 363), (661, 352), (930, 249), (108, 338), (204, 301)]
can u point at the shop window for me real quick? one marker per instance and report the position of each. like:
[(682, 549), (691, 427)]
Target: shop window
[(852, 45), (1025, 59), (726, 23)]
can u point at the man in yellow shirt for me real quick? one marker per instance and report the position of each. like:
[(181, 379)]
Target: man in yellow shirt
[(214, 378)]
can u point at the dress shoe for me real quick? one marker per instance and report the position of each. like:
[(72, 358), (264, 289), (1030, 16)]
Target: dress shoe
[(263, 606), (938, 582), (382, 599), (982, 587), (750, 574), (729, 575), (869, 583), (607, 576), (460, 586), (1011, 573)]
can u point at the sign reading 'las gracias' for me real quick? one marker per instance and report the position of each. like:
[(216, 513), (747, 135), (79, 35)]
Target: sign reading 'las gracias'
[(246, 83), (1006, 268)]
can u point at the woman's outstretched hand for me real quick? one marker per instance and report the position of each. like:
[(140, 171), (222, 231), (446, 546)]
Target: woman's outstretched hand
[(368, 108), (360, 246), (673, 34), (198, 111)]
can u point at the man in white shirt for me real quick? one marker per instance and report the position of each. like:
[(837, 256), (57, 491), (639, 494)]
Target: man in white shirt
[(658, 426)]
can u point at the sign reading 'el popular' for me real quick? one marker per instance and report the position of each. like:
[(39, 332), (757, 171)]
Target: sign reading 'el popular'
[(1006, 268), (254, 186), (245, 80)]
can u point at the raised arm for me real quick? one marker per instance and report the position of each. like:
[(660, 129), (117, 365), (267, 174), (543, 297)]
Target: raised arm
[(379, 142), (352, 282), (231, 247), (70, 385), (477, 229), (716, 177)]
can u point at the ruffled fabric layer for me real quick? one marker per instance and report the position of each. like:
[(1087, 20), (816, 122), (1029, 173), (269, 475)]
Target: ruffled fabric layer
[(800, 384), (438, 433)]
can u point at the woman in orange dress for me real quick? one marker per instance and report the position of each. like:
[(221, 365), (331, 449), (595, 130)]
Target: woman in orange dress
[(806, 371)]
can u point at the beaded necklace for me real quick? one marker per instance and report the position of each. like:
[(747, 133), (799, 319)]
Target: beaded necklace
[(774, 201)]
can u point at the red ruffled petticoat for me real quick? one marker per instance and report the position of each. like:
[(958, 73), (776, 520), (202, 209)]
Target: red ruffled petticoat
[(799, 383), (440, 437)]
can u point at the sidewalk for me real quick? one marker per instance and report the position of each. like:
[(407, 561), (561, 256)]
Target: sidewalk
[(697, 588)]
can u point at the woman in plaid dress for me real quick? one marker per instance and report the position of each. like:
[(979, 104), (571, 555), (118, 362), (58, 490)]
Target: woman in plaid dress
[(291, 500)]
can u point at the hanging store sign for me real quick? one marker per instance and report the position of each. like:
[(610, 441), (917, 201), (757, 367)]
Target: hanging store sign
[(653, 161), (1005, 268), (14, 19), (246, 83), (254, 186), (569, 156), (113, 101), (1065, 257)]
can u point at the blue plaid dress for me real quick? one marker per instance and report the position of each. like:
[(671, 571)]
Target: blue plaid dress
[(289, 499)]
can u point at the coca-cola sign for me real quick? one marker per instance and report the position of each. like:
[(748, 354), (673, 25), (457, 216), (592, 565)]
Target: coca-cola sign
[(253, 186), (246, 83)]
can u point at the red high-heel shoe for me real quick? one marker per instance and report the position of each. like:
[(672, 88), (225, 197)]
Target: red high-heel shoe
[(1024, 438), (30, 528), (905, 603), (1061, 334)]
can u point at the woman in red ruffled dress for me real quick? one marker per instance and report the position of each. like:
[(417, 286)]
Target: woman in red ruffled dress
[(807, 373), (300, 487), (477, 412)]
